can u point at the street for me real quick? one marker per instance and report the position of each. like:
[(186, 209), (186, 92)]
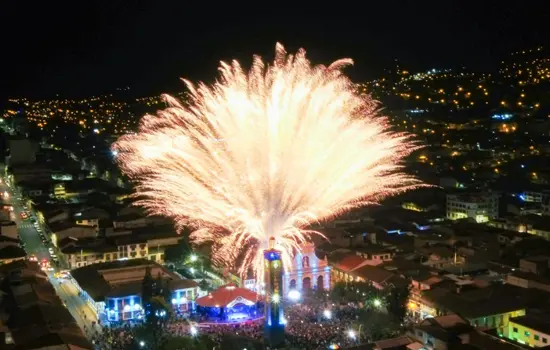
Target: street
[(65, 288)]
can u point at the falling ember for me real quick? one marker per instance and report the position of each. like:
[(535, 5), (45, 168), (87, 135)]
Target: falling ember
[(264, 154)]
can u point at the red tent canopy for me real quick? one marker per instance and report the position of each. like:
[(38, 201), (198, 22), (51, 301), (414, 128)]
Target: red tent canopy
[(228, 295)]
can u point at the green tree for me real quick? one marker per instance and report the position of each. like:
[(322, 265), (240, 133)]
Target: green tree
[(355, 292), (375, 326), (147, 291), (204, 285), (339, 292), (155, 324), (397, 299)]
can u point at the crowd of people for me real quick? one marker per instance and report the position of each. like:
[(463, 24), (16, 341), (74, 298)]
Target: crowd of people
[(308, 326)]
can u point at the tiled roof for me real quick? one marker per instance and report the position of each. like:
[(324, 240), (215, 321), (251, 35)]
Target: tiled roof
[(350, 262), (225, 295), (374, 274)]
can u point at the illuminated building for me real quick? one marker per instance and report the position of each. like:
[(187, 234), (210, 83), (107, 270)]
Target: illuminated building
[(230, 303), (532, 330), (307, 271), (274, 315), (113, 290), (481, 208)]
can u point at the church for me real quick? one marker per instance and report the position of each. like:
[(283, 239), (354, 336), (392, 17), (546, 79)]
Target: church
[(307, 271)]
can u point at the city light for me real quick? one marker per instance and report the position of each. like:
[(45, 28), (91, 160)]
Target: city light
[(246, 159), (194, 258), (141, 343), (327, 313), (377, 302), (294, 295), (276, 298), (193, 331), (351, 334)]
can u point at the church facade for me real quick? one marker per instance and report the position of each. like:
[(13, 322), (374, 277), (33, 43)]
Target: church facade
[(307, 272)]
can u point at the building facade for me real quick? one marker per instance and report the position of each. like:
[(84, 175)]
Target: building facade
[(120, 249), (530, 330), (307, 271), (130, 307), (480, 207)]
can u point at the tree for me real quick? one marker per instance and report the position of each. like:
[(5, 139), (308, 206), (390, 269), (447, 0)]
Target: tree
[(375, 325), (205, 286), (155, 323), (355, 292), (397, 300), (147, 291)]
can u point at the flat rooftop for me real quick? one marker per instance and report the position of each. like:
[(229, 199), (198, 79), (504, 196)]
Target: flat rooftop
[(108, 279)]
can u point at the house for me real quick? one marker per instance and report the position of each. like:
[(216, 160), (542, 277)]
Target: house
[(528, 280), (114, 288), (403, 342), (375, 254), (11, 253), (9, 229), (486, 308), (343, 266), (443, 332), (532, 329), (34, 317), (140, 243), (62, 230), (379, 277)]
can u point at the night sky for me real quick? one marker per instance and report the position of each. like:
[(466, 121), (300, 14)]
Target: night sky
[(89, 47)]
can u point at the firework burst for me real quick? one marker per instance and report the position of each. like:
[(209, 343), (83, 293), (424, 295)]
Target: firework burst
[(264, 153)]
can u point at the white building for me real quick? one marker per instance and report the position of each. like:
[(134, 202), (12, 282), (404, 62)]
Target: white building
[(307, 272), (480, 207)]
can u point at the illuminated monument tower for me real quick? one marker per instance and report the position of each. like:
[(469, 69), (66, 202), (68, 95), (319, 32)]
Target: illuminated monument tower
[(274, 327)]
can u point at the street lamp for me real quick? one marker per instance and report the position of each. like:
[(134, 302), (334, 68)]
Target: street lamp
[(351, 334), (194, 258), (327, 313), (141, 343), (377, 302), (193, 330), (294, 295)]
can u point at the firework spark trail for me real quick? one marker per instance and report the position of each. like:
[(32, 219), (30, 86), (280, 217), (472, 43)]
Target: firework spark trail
[(264, 154)]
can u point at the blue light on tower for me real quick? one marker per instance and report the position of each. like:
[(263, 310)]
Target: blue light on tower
[(274, 324)]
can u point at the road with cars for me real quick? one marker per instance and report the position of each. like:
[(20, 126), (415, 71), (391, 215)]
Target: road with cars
[(38, 246)]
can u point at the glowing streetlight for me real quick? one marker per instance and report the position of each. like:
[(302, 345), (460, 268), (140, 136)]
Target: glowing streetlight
[(327, 313), (193, 330), (351, 334), (377, 302), (294, 295), (193, 258), (142, 343), (276, 298)]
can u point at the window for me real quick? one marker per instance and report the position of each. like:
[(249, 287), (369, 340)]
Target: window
[(536, 337), (544, 340), (515, 330), (527, 333)]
